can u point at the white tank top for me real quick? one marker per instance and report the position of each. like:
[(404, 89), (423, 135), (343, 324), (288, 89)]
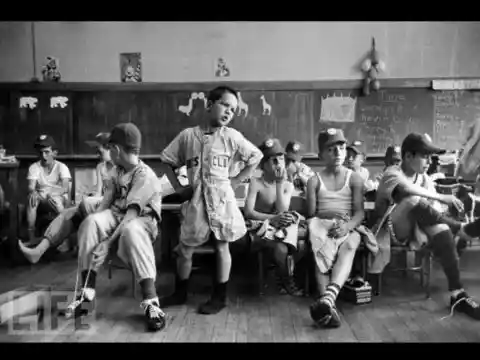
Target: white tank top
[(334, 204)]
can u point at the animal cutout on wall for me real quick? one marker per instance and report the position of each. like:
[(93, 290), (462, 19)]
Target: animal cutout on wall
[(58, 101), (267, 108), (242, 106), (187, 109), (28, 102), (338, 108)]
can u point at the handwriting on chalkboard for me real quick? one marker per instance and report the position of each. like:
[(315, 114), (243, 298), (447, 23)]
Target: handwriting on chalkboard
[(453, 112)]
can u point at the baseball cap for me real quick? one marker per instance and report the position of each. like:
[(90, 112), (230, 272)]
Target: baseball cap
[(415, 142), (126, 134), (44, 141), (393, 153), (292, 151), (356, 146), (330, 137), (271, 147), (100, 140)]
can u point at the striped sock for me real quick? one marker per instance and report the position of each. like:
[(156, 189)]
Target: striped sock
[(331, 294)]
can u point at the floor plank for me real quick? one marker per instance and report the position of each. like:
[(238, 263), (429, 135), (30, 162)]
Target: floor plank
[(400, 314)]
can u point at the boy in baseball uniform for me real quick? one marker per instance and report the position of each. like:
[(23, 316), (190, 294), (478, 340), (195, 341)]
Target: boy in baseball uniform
[(48, 183), (208, 151), (130, 211)]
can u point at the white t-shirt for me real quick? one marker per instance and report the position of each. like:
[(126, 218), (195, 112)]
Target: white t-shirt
[(49, 183)]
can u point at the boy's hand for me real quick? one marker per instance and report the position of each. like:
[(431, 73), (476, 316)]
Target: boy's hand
[(33, 199), (280, 174), (339, 230)]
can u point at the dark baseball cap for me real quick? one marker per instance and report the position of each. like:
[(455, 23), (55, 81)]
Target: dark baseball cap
[(44, 141), (394, 152), (330, 137), (418, 143), (271, 147), (356, 146), (292, 151), (127, 135), (100, 140)]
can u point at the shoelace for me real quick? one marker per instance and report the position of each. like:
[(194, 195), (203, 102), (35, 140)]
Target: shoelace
[(469, 301), (73, 305), (153, 311)]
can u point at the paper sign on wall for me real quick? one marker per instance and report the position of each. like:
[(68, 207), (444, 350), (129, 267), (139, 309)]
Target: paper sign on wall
[(338, 109)]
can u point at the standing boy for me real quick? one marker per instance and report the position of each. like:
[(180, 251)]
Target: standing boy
[(208, 151)]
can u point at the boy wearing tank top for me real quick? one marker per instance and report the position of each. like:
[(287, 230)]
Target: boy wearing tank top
[(335, 211)]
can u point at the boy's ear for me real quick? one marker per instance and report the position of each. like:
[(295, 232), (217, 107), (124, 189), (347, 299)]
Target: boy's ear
[(55, 152), (209, 105)]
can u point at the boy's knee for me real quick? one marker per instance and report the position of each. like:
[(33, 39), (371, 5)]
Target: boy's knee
[(184, 252), (132, 233), (352, 242), (409, 202), (436, 229), (280, 249)]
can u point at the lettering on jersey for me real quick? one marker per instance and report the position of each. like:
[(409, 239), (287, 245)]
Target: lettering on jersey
[(193, 162), (221, 161)]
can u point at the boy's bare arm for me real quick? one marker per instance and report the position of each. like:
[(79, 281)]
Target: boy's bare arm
[(312, 196), (284, 195), (356, 184)]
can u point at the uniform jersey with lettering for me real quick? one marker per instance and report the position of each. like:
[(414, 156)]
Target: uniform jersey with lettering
[(209, 157), (139, 186)]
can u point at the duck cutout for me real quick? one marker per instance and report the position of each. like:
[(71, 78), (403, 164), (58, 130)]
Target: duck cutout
[(267, 108), (186, 109), (200, 96), (242, 106)]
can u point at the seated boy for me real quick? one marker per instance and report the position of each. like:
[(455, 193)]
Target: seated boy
[(266, 211), (48, 183), (128, 215), (67, 222), (404, 207), (335, 211), (297, 172), (354, 161)]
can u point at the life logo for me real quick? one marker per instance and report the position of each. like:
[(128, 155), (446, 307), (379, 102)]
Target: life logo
[(39, 311)]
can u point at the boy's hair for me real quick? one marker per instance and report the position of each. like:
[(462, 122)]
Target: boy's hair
[(218, 92)]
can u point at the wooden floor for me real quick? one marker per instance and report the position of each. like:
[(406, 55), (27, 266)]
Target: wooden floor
[(401, 314)]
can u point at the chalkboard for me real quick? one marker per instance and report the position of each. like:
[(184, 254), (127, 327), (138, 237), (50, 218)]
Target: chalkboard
[(454, 112), (380, 119), (160, 116)]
